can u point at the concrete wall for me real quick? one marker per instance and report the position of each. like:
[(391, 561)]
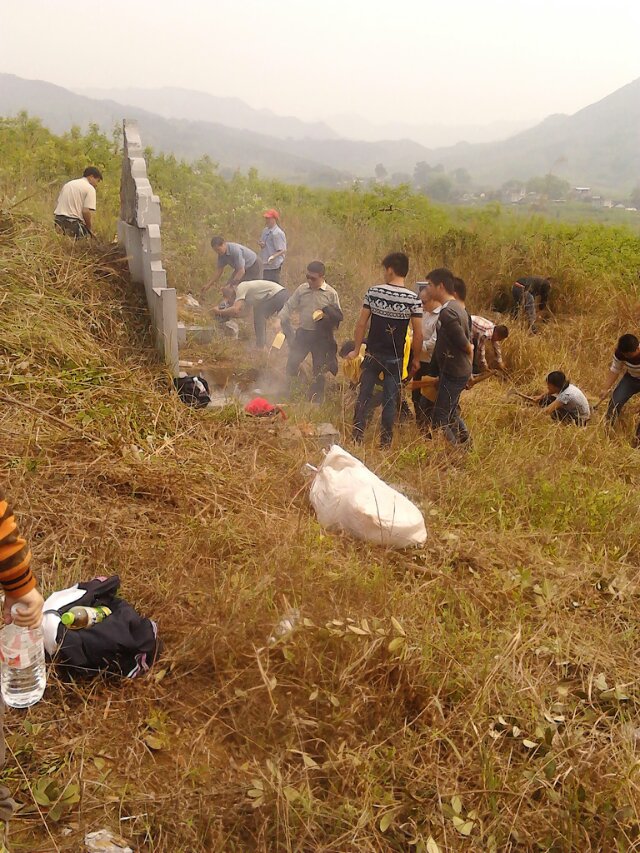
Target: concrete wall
[(139, 233)]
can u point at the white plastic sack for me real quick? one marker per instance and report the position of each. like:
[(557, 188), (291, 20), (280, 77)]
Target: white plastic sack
[(347, 496)]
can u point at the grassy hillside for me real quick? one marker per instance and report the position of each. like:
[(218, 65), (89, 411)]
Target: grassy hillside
[(478, 694)]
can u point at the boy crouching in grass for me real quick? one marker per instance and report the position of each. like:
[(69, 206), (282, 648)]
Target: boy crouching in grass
[(564, 401)]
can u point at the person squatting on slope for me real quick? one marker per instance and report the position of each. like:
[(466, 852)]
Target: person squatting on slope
[(19, 586), (563, 401), (319, 314), (266, 298), (388, 309), (76, 205)]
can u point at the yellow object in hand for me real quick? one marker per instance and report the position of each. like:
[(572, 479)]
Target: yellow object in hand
[(278, 341)]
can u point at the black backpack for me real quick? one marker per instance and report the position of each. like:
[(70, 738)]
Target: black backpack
[(125, 644), (193, 391)]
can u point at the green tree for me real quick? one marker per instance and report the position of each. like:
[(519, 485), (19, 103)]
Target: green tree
[(439, 187), (549, 185), (634, 196), (421, 173), (399, 178), (461, 177), (380, 172)]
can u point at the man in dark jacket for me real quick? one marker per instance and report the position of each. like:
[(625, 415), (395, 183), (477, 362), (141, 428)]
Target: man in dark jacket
[(453, 353)]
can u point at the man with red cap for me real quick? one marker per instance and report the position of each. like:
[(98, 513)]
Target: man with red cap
[(273, 246)]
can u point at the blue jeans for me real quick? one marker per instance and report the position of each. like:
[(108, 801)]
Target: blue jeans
[(624, 391), (523, 301), (372, 366), (446, 413)]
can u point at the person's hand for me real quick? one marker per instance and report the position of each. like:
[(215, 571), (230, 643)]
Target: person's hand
[(216, 311), (500, 365), (270, 258), (261, 243), (351, 355), (28, 614), (415, 366)]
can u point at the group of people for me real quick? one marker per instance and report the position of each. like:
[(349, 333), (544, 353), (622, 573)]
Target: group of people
[(426, 340), (428, 337)]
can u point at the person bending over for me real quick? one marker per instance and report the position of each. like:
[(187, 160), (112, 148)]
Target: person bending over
[(483, 331), (523, 302), (266, 297), (243, 261)]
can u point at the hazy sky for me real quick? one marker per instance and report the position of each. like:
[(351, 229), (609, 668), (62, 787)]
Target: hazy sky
[(452, 62)]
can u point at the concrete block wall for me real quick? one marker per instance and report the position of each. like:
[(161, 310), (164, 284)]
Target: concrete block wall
[(139, 234)]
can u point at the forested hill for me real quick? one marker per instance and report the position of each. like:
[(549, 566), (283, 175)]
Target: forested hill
[(598, 146)]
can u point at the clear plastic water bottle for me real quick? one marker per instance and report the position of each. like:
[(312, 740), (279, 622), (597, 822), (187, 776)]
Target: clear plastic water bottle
[(287, 625), (23, 675)]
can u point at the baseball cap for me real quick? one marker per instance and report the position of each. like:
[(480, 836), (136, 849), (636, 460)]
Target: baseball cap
[(271, 214)]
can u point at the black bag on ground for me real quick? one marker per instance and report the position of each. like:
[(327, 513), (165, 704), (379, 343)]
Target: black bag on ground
[(124, 644), (193, 391)]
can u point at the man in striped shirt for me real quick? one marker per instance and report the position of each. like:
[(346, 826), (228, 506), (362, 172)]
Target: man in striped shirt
[(19, 586), (483, 331), (625, 364)]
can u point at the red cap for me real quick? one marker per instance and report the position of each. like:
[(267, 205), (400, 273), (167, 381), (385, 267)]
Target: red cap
[(271, 214)]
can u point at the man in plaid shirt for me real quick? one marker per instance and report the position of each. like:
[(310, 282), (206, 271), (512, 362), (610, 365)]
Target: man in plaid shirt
[(483, 331)]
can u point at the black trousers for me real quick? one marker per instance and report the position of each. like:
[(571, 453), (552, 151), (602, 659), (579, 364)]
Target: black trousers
[(272, 275), (421, 405), (71, 227), (322, 349), (264, 309)]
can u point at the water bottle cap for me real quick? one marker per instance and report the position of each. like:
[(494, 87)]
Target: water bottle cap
[(16, 608), (67, 619)]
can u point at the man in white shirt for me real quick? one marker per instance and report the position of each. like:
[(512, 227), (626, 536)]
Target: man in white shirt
[(266, 297), (77, 204)]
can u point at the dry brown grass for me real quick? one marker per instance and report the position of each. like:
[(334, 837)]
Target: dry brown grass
[(524, 597)]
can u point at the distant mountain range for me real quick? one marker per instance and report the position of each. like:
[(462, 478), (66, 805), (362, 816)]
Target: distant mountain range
[(598, 146), (433, 135), (171, 102)]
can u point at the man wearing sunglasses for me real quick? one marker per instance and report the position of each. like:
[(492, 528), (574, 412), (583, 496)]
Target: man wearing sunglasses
[(318, 308)]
